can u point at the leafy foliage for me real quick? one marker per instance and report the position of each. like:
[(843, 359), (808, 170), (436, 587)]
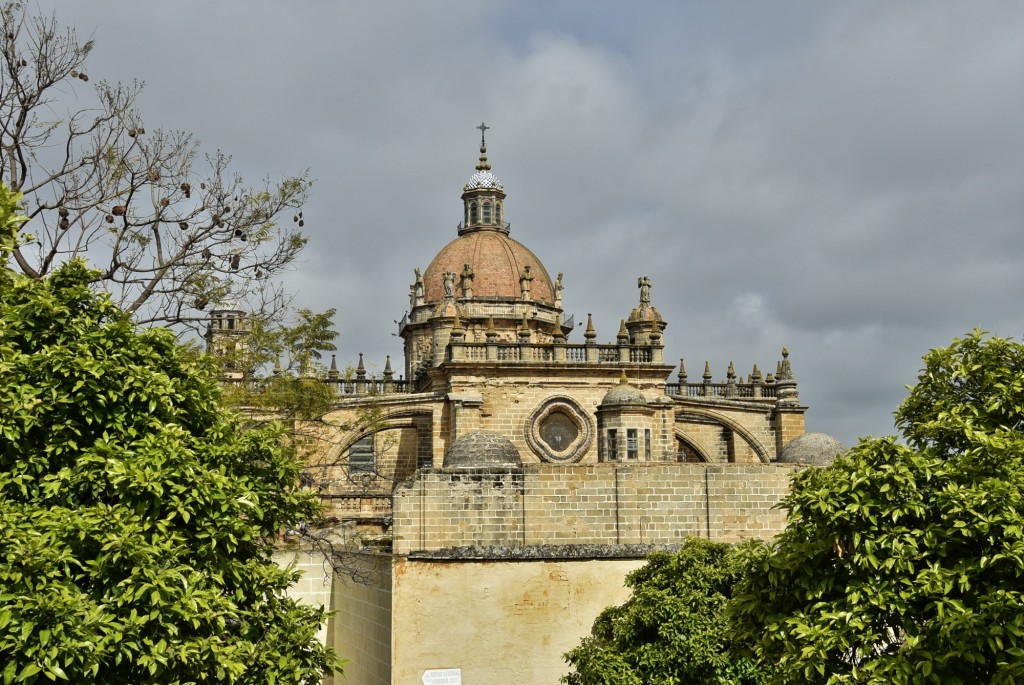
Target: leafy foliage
[(278, 366), (138, 520), (901, 563), (169, 231), (973, 389), (673, 628)]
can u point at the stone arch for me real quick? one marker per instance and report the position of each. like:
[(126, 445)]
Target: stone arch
[(734, 426), (418, 419), (701, 452)]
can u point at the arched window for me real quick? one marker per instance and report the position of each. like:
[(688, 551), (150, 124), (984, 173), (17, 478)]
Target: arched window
[(361, 457), (497, 213), (487, 212), (472, 213)]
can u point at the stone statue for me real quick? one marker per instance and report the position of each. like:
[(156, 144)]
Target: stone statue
[(417, 286), (467, 280), (558, 290), (525, 282), (448, 282), (644, 283)]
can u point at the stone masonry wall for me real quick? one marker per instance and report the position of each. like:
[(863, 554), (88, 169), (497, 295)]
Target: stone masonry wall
[(361, 627), (652, 503), (313, 587)]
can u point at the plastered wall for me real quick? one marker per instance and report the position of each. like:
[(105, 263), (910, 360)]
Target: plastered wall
[(501, 623)]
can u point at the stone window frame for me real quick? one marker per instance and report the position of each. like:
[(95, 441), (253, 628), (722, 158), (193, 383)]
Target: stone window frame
[(367, 462), (612, 445), (570, 408), (632, 444)]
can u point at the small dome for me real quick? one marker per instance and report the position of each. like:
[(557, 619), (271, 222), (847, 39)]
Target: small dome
[(482, 450), (814, 449), (645, 312), (483, 179), (623, 393)]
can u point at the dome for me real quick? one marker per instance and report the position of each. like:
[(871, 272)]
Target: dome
[(483, 179), (623, 393), (814, 449), (497, 262), (481, 450), (645, 312)]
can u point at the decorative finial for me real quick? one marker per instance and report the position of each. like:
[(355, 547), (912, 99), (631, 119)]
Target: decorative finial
[(787, 392), (360, 368), (731, 372), (388, 372), (590, 334), (524, 331), (622, 378), (785, 367), (482, 165), (333, 372), (682, 370), (707, 372)]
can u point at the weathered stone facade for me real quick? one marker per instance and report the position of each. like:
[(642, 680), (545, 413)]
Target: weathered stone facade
[(590, 456), (598, 504)]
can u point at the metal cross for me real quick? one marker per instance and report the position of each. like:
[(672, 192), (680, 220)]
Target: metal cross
[(483, 129)]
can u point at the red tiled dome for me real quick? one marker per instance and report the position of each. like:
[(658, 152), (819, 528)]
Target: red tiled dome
[(497, 262)]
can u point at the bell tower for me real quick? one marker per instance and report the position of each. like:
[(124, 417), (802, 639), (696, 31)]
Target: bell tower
[(226, 340)]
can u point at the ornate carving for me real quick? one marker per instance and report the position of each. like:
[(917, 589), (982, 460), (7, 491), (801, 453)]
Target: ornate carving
[(559, 430)]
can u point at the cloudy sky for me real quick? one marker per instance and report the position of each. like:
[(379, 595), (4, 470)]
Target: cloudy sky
[(845, 179)]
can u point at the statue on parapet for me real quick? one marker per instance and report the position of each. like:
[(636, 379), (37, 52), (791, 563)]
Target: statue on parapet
[(644, 283), (525, 282), (448, 282)]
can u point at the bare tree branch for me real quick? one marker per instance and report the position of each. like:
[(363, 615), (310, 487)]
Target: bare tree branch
[(170, 230)]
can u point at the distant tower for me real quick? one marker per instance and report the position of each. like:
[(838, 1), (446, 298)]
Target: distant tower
[(226, 339)]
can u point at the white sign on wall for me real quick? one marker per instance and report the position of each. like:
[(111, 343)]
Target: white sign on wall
[(442, 676)]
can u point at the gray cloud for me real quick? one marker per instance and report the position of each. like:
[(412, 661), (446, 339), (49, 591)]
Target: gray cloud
[(841, 179)]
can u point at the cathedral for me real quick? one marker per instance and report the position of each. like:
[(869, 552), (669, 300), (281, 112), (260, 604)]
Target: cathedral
[(496, 493)]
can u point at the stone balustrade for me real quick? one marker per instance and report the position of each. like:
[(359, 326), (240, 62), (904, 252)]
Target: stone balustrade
[(554, 353)]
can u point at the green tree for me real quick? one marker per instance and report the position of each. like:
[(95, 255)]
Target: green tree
[(169, 230), (673, 628), (280, 369), (904, 563), (138, 520)]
